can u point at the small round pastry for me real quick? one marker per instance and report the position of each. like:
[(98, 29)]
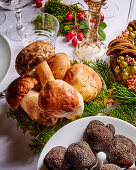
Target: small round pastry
[(80, 156), (55, 159), (59, 65), (20, 91), (35, 57), (110, 167), (32, 55), (85, 80), (58, 98), (97, 135), (111, 128), (30, 105), (122, 151)]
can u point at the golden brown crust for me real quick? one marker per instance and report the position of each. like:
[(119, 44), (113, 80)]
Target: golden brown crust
[(116, 41), (127, 45), (130, 52), (85, 80), (17, 90), (31, 107), (32, 55), (59, 65), (115, 50), (58, 98)]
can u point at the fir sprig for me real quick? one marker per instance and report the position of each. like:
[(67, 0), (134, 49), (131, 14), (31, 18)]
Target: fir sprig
[(102, 68), (92, 108), (123, 112), (124, 95)]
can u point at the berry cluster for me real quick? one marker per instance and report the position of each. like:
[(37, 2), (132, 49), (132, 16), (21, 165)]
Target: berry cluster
[(80, 17), (38, 3), (73, 35), (124, 34), (76, 36), (129, 60), (132, 81)]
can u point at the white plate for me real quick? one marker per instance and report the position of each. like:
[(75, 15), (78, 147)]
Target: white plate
[(73, 132), (5, 57)]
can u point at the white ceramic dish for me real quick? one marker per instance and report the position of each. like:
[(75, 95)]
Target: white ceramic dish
[(73, 132), (5, 57)]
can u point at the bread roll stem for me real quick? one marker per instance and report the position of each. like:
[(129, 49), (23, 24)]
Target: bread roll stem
[(44, 73)]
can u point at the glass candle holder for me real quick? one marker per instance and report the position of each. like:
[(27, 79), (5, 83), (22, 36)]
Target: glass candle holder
[(43, 27), (91, 48)]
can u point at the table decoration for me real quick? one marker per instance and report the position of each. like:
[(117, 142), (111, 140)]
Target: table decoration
[(122, 52), (72, 19), (101, 104), (91, 48)]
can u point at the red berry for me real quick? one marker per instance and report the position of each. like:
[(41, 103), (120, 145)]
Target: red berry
[(74, 42), (69, 17), (80, 36), (70, 35), (38, 4), (102, 16), (81, 16)]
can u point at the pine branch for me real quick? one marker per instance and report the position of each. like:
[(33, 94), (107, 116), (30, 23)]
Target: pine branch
[(124, 112), (124, 95)]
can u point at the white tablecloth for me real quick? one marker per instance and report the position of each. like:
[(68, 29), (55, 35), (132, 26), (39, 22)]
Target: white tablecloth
[(15, 153)]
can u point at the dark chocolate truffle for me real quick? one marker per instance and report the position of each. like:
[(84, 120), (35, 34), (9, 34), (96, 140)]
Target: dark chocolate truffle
[(55, 159), (111, 128), (122, 151), (97, 135), (110, 167), (80, 156)]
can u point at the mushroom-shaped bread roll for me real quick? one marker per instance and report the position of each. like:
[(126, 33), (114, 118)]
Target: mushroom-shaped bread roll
[(20, 92), (85, 80), (35, 57), (59, 65), (58, 98), (18, 89)]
